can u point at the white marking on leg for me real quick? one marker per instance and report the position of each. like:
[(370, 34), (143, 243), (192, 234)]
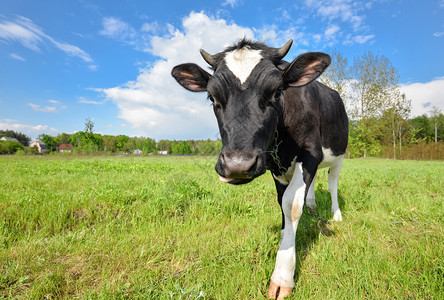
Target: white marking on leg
[(335, 164), (311, 199), (242, 62), (292, 204), (333, 181)]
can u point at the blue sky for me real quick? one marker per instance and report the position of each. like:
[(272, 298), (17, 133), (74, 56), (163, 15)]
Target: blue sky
[(64, 61)]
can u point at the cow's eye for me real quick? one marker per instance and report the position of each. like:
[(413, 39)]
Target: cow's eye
[(277, 94), (216, 105)]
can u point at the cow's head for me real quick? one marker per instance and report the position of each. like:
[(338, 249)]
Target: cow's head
[(246, 90)]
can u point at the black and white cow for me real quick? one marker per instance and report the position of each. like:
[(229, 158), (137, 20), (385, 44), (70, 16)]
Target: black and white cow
[(274, 115)]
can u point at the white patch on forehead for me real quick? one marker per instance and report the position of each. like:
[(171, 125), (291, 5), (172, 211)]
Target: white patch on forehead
[(242, 62)]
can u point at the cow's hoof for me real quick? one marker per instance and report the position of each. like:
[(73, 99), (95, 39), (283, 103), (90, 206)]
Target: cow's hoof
[(337, 216), (277, 292), (311, 206)]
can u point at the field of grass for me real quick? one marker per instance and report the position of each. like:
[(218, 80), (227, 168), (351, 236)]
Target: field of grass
[(166, 228)]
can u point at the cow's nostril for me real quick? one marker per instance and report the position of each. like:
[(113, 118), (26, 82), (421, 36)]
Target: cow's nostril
[(239, 166)]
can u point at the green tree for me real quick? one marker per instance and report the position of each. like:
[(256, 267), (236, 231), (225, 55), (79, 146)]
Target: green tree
[(31, 150), (437, 122), (110, 143), (76, 139), (337, 75), (422, 128), (132, 143), (50, 141), (163, 145), (149, 146), (10, 147), (375, 81), (374, 78), (394, 122), (180, 147), (63, 138), (89, 126), (361, 142), (122, 141)]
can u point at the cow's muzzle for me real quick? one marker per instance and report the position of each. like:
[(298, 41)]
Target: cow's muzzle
[(239, 168)]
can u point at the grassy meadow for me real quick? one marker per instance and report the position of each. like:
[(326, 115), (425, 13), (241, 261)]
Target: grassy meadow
[(166, 228)]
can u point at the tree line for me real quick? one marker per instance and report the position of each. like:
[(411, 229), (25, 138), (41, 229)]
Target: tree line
[(421, 138), (88, 142)]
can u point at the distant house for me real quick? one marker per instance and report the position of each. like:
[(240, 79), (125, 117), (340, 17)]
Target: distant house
[(40, 146), (65, 147), (5, 138), (163, 152), (137, 152)]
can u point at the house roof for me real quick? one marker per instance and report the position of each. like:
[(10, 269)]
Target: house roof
[(65, 147), (6, 138), (41, 144)]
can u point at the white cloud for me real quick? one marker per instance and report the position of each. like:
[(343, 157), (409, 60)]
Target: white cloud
[(349, 12), (231, 3), (29, 130), (331, 31), (340, 9), (317, 38), (356, 22), (345, 10), (22, 30), (115, 28), (358, 39), (154, 103), (425, 95), (438, 34), (57, 106), (46, 109), (16, 56), (72, 50), (86, 101), (362, 39), (152, 27), (274, 37), (121, 31)]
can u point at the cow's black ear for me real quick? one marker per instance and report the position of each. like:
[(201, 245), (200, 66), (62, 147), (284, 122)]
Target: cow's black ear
[(191, 76), (306, 68)]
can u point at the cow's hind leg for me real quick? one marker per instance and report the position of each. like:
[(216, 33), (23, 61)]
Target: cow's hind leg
[(282, 280), (333, 180)]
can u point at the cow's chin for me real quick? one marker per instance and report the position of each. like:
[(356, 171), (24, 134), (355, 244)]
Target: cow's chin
[(235, 181), (240, 181)]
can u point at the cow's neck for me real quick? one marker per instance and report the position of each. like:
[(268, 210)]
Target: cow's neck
[(282, 152)]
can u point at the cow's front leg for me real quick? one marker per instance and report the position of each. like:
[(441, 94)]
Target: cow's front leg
[(282, 280)]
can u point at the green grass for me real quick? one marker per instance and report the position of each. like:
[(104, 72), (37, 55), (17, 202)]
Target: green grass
[(100, 228)]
